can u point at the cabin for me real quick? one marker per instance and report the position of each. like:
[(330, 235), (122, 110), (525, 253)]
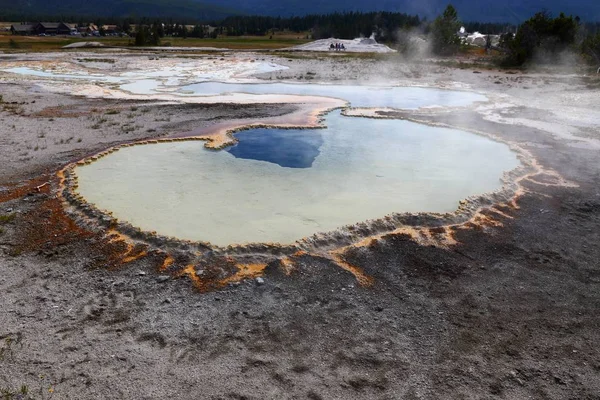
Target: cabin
[(52, 28), (22, 29), (89, 30), (72, 28)]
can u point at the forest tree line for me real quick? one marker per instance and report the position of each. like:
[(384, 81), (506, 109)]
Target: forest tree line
[(348, 25)]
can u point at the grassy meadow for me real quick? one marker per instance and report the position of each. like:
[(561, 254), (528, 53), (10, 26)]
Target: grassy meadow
[(16, 43)]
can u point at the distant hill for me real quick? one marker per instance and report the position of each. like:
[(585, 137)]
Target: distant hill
[(513, 11), (190, 10)]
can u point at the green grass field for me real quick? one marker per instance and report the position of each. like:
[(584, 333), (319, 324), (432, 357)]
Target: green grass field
[(16, 43)]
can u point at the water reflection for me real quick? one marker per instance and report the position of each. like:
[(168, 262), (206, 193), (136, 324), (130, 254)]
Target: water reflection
[(291, 148)]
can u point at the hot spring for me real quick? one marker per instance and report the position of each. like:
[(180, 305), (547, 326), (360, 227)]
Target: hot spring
[(280, 185)]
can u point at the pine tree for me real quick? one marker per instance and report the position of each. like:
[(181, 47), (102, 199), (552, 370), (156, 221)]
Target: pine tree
[(444, 32)]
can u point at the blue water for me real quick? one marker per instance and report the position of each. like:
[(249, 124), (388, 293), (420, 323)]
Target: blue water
[(356, 95), (291, 148)]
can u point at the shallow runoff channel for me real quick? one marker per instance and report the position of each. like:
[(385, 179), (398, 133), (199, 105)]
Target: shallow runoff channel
[(282, 185)]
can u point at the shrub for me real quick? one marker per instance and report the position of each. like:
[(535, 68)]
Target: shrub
[(4, 219), (543, 35), (590, 48)]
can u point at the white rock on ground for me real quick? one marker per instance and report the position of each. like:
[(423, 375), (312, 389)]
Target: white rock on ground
[(358, 45), (79, 45)]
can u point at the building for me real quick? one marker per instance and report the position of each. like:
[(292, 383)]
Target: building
[(209, 30), (22, 29), (52, 28), (89, 30), (109, 29), (72, 28)]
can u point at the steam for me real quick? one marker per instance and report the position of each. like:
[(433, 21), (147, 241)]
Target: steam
[(413, 44)]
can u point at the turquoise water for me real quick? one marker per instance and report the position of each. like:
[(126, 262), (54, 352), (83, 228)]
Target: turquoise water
[(364, 169)]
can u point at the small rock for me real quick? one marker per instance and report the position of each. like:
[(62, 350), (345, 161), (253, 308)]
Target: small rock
[(559, 381), (163, 278), (260, 281), (141, 273)]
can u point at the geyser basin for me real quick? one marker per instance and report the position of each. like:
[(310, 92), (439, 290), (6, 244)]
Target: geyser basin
[(364, 169)]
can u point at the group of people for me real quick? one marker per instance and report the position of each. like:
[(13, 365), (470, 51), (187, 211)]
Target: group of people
[(337, 46)]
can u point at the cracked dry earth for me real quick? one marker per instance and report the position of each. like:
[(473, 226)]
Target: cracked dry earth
[(509, 312)]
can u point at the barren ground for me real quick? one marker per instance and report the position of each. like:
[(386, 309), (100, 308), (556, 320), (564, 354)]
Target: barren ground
[(510, 312)]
